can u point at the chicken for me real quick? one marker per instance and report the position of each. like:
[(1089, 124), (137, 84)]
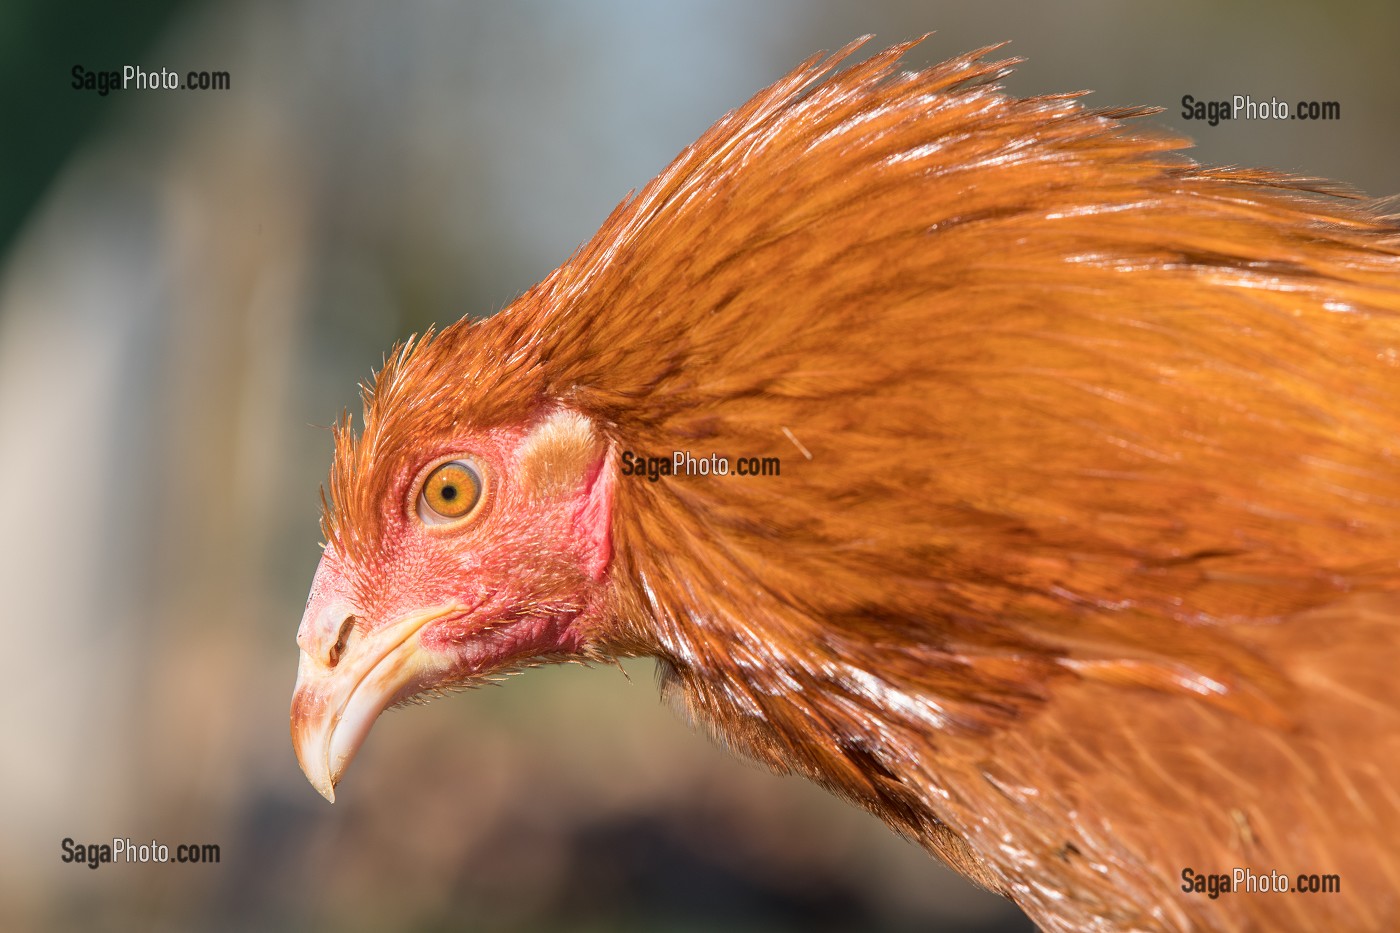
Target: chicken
[(981, 459)]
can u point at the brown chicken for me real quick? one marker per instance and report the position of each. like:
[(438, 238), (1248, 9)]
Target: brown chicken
[(981, 459)]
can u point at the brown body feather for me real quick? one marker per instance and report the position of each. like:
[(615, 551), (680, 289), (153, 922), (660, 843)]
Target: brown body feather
[(1093, 572)]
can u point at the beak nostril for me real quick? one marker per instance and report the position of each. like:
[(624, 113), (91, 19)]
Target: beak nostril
[(338, 648)]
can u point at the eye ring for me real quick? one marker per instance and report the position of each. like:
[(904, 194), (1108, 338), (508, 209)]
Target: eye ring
[(451, 492)]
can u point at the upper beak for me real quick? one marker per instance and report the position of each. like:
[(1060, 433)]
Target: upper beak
[(340, 694)]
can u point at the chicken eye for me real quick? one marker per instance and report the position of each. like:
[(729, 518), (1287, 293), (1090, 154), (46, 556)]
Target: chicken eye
[(449, 493)]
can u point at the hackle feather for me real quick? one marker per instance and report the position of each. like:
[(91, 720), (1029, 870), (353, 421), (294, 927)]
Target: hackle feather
[(1083, 564)]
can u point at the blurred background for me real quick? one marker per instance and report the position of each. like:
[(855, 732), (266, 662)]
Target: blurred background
[(192, 284)]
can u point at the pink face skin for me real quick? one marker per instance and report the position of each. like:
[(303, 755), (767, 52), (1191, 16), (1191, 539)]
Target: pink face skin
[(521, 577)]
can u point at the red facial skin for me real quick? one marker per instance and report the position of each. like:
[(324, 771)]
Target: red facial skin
[(522, 578)]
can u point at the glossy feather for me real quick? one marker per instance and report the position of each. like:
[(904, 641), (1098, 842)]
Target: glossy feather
[(1083, 566)]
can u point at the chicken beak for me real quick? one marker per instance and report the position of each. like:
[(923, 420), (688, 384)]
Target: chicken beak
[(340, 694)]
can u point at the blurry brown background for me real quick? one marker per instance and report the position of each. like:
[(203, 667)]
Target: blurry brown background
[(192, 283)]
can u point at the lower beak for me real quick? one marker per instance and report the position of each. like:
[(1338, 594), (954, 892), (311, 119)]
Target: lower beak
[(334, 707)]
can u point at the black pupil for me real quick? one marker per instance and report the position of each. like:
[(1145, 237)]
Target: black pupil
[(449, 492)]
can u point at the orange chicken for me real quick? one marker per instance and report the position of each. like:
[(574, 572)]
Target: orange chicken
[(1049, 507)]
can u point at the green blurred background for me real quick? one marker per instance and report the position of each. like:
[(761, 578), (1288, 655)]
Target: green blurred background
[(192, 285)]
